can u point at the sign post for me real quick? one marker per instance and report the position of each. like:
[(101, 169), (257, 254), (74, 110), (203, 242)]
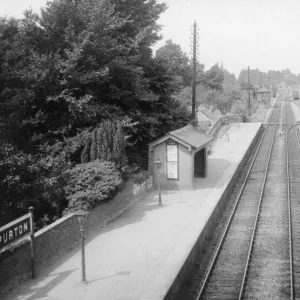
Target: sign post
[(32, 242)]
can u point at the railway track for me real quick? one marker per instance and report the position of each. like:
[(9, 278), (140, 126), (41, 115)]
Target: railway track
[(257, 255), (293, 175), (225, 277), (269, 272)]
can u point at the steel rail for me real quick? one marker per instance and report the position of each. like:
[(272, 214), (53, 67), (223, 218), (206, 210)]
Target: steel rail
[(289, 212), (256, 219), (205, 281), (290, 206)]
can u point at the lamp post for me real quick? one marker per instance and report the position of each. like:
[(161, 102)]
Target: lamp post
[(158, 165), (81, 217)]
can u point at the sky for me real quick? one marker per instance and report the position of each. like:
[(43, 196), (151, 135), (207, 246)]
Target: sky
[(263, 34)]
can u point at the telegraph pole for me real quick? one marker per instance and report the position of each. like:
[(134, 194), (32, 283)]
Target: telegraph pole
[(194, 71), (249, 103)]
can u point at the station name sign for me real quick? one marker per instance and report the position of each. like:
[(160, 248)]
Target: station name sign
[(172, 160), (15, 230)]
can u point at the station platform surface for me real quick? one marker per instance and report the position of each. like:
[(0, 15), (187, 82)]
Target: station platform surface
[(296, 111), (139, 254)]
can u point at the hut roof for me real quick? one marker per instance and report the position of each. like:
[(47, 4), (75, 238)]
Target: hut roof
[(190, 136)]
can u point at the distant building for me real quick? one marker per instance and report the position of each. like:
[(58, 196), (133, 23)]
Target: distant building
[(263, 95), (206, 118), (206, 115)]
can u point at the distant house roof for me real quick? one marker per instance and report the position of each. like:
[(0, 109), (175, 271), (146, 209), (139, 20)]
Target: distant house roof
[(205, 114), (217, 113), (190, 136), (263, 90)]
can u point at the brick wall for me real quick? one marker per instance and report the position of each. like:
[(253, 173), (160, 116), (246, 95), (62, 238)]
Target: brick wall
[(61, 236)]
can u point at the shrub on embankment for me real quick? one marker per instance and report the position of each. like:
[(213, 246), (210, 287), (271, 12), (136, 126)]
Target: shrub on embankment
[(89, 184)]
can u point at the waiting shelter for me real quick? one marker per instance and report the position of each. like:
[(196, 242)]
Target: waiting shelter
[(183, 157)]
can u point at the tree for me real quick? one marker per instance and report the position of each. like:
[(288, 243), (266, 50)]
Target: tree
[(229, 81), (214, 78), (176, 62), (64, 74), (218, 101), (107, 142)]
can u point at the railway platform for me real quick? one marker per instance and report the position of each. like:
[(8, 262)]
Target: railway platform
[(296, 110), (140, 254)]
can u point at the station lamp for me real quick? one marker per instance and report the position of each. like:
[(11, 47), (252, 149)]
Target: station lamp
[(82, 217)]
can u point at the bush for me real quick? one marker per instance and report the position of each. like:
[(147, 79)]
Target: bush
[(29, 180), (140, 177), (89, 184)]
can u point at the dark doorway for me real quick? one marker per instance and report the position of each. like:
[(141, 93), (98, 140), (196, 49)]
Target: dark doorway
[(200, 164)]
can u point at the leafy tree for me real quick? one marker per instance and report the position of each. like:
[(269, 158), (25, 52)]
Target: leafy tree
[(270, 78), (176, 62), (64, 74), (107, 142), (214, 78), (229, 81), (218, 101)]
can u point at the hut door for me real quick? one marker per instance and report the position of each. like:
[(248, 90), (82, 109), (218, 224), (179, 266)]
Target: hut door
[(200, 164)]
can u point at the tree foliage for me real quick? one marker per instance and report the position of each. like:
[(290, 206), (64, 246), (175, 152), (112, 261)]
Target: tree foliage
[(107, 142), (63, 75), (176, 62), (272, 77), (221, 102), (214, 78)]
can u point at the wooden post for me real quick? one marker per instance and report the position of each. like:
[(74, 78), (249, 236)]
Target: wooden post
[(205, 162), (32, 256), (159, 189), (194, 71), (193, 170)]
